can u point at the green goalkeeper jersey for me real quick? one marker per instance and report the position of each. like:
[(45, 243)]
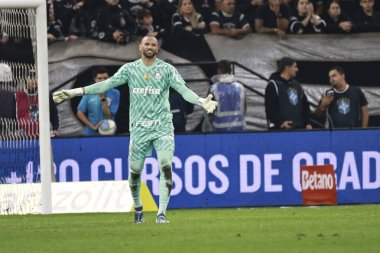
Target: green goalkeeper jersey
[(148, 89)]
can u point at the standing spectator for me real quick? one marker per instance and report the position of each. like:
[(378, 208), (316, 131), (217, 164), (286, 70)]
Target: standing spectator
[(27, 111), (147, 26), (8, 108), (179, 107), (273, 17), (113, 23), (345, 104), (229, 22), (304, 19), (93, 109), (336, 20), (366, 18), (230, 95), (286, 103)]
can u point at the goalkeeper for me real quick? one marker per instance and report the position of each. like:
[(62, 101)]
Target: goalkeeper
[(149, 80)]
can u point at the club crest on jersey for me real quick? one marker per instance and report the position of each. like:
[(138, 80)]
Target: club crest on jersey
[(293, 96), (157, 76), (148, 90), (343, 105)]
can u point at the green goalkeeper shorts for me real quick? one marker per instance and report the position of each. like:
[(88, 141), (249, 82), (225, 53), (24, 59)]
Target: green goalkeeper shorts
[(143, 139)]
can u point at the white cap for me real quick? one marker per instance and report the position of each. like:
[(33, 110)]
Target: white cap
[(5, 73)]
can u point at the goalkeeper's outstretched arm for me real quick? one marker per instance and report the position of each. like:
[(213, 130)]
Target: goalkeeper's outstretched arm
[(96, 88)]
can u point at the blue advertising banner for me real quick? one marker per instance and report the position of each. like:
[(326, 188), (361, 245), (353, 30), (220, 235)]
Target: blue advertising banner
[(229, 170)]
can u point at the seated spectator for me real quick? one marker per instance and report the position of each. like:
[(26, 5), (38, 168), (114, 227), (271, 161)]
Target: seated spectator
[(249, 9), (273, 17), (54, 29), (345, 104), (336, 20), (54, 25), (167, 8), (229, 22), (113, 23), (366, 18), (305, 20), (205, 8), (65, 11), (146, 25), (286, 104), (188, 41), (187, 22), (93, 109), (136, 6), (230, 95)]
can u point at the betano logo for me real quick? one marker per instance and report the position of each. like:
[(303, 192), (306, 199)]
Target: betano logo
[(148, 90), (314, 181)]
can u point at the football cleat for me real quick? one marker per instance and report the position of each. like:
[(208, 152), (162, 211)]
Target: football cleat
[(161, 218), (139, 217)]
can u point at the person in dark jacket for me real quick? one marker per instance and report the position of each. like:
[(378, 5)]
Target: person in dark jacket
[(304, 20), (366, 18), (336, 20), (286, 104), (113, 23)]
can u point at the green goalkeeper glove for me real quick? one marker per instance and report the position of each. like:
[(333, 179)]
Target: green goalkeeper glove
[(208, 104), (62, 95)]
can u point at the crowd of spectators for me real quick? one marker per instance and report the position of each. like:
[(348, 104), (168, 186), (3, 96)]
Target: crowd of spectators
[(118, 20)]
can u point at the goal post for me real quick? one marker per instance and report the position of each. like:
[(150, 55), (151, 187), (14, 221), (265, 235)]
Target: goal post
[(41, 58)]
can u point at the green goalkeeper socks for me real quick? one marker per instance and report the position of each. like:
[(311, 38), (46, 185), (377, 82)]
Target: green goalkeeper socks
[(165, 162), (135, 185)]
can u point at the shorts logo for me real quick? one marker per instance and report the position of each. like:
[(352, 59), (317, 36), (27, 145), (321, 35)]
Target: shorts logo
[(343, 105), (148, 90), (167, 137)]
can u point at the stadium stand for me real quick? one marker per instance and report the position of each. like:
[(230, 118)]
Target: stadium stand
[(255, 52)]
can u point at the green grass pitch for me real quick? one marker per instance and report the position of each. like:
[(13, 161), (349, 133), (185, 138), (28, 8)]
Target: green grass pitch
[(234, 230)]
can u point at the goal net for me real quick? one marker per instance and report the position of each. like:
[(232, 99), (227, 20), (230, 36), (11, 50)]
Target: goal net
[(25, 157)]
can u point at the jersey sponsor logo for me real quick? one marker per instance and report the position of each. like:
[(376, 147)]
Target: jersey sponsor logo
[(148, 90), (343, 105), (293, 96)]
